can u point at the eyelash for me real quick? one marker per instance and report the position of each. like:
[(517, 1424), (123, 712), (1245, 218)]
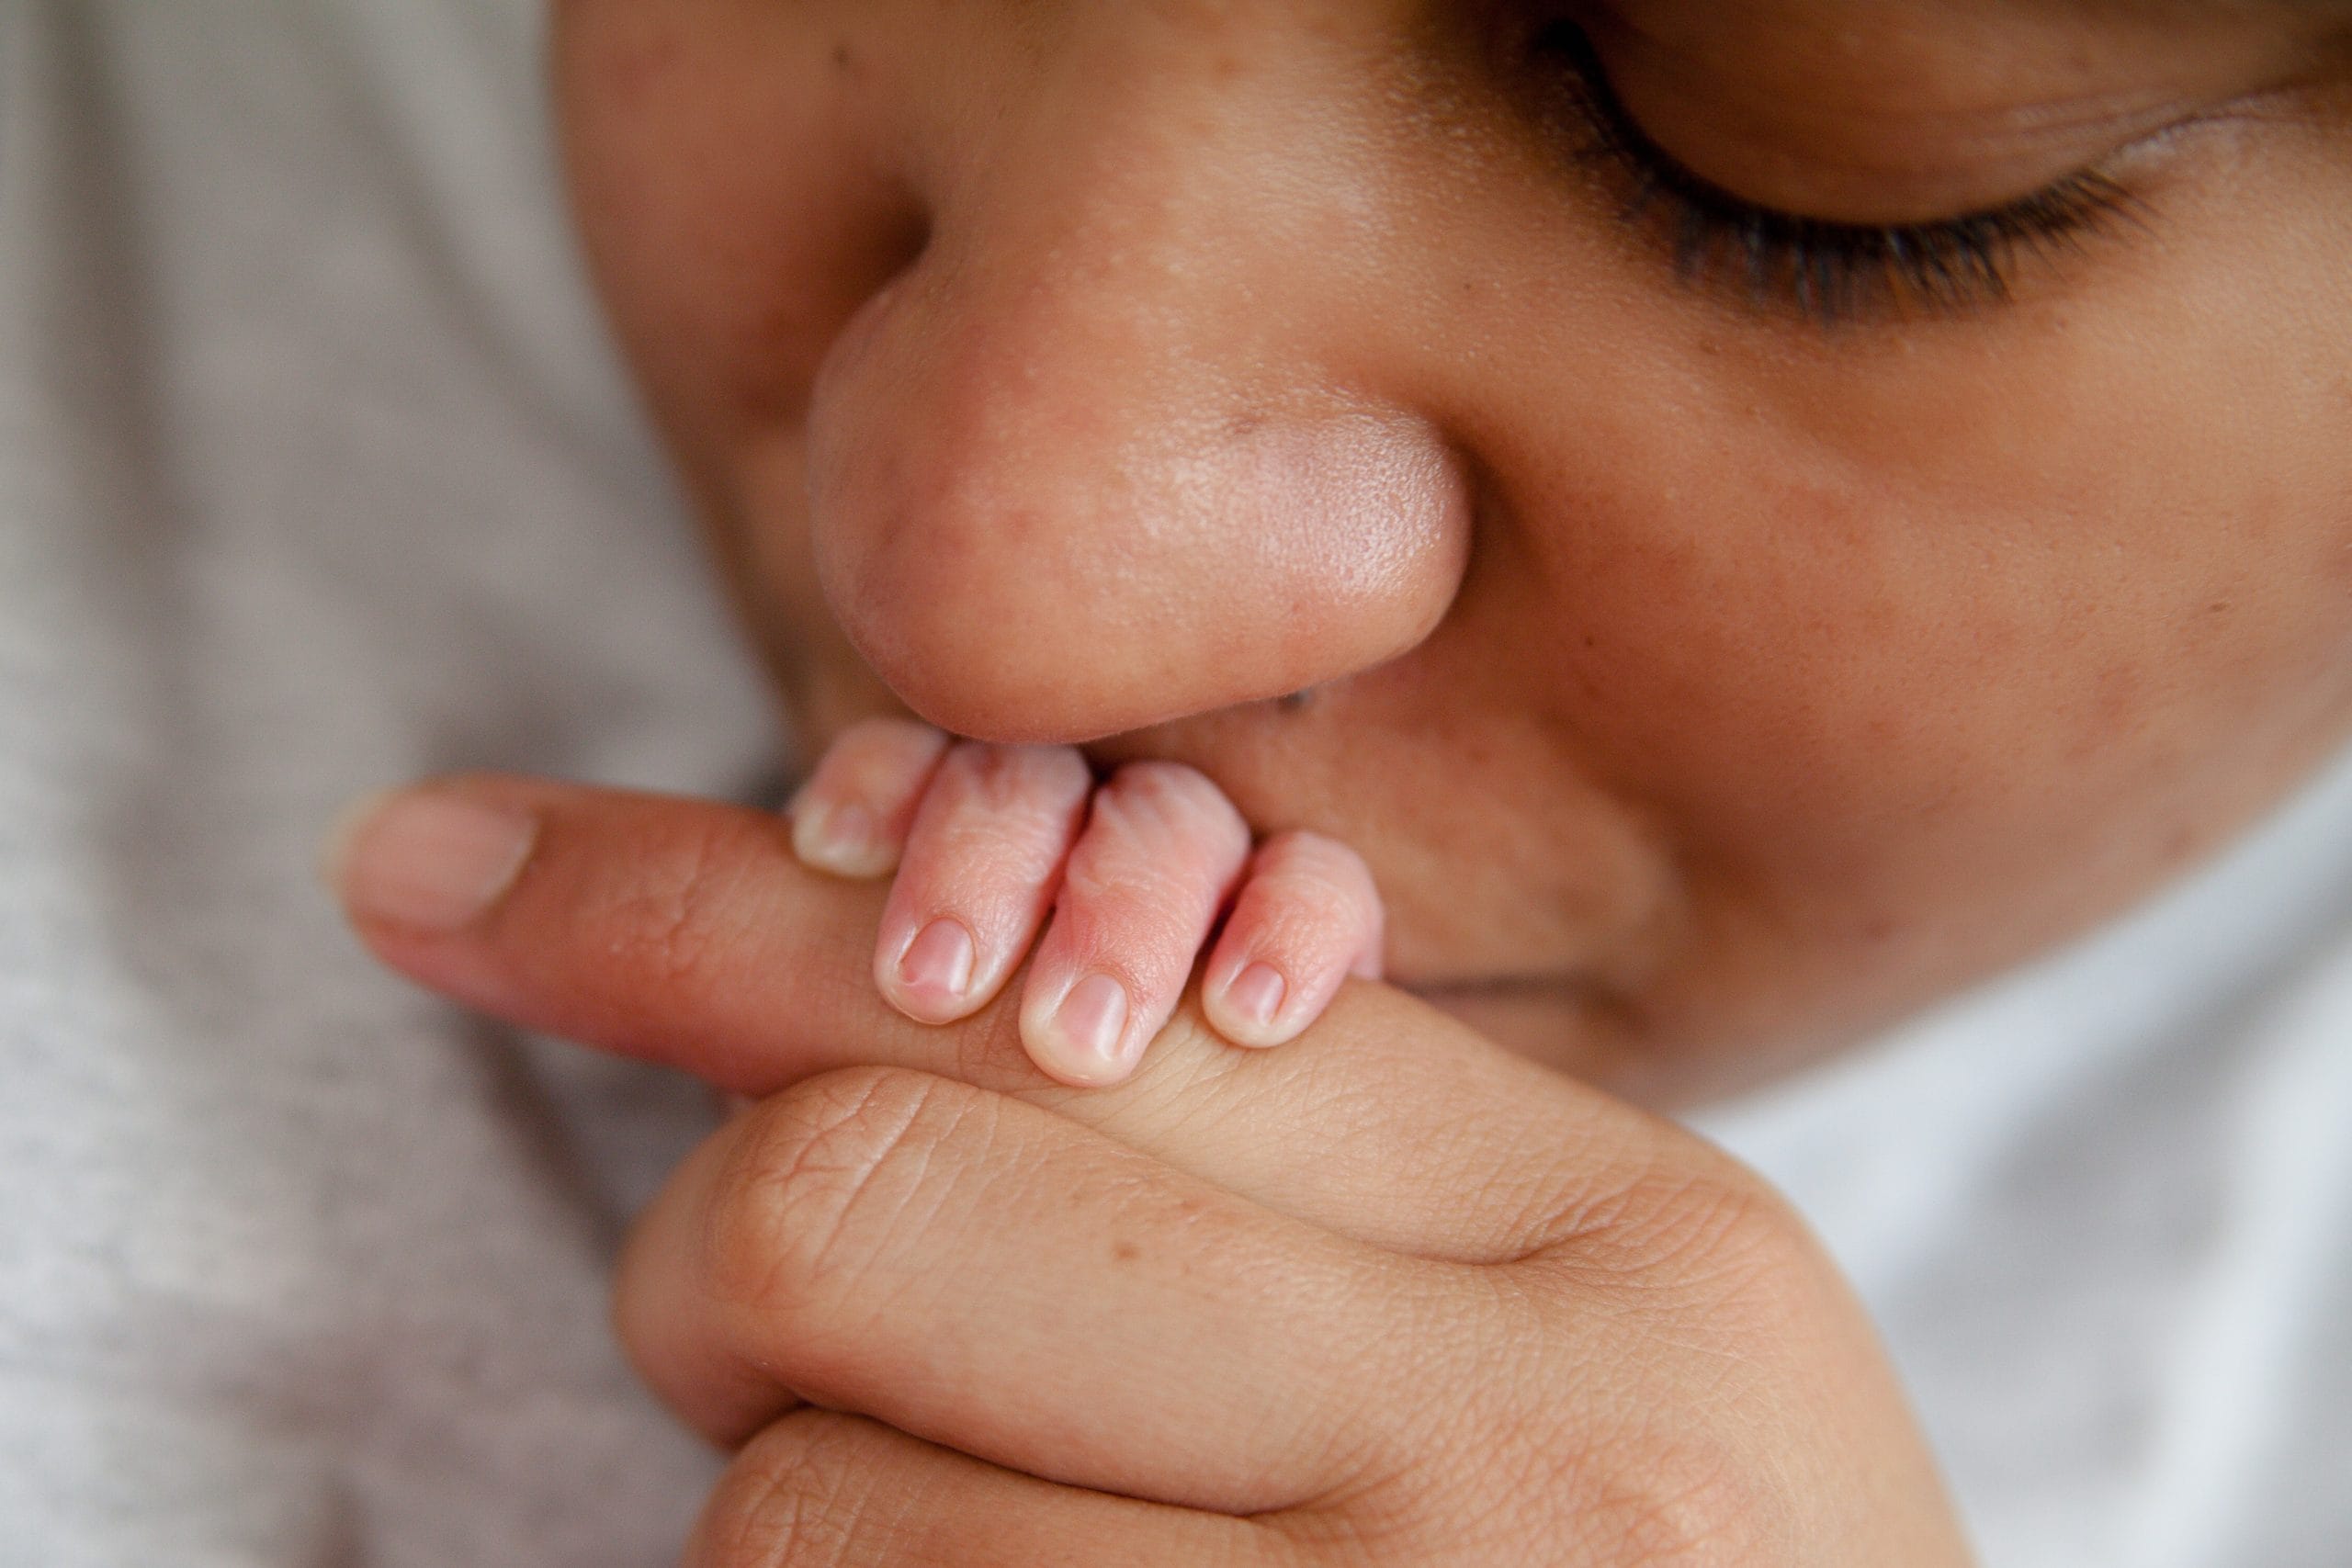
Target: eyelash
[(1827, 271)]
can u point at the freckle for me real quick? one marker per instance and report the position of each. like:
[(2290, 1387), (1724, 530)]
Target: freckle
[(1126, 1251), (842, 59)]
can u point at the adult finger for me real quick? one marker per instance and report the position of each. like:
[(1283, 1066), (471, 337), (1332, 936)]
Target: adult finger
[(824, 1490), (993, 1277), (686, 933)]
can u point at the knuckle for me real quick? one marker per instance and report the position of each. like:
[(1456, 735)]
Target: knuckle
[(1170, 799), (1007, 811), (1716, 1265), (1725, 1241), (1597, 1491), (1160, 848), (792, 1497), (1711, 1230), (1604, 1469), (1303, 853), (1007, 778), (816, 1184), (1683, 1505), (1319, 884)]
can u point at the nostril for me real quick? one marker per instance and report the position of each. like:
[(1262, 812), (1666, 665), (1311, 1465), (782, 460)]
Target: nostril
[(898, 249), (908, 239)]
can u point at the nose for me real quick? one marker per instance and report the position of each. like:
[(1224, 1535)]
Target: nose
[(1114, 450)]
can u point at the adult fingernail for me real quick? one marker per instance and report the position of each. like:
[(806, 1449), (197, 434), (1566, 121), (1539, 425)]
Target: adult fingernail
[(937, 966), (843, 839), (1256, 994), (426, 858), (1091, 1022)]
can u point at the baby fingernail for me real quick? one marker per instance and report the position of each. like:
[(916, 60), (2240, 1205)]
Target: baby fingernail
[(842, 838), (430, 859), (937, 966), (1256, 994), (1090, 1020)]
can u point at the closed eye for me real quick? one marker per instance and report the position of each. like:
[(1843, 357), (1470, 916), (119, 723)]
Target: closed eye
[(1827, 270)]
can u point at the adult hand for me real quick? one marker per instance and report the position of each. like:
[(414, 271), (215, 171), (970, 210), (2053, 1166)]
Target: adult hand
[(1385, 1295)]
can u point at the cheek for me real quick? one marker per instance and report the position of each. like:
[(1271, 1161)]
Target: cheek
[(2069, 591), (725, 165)]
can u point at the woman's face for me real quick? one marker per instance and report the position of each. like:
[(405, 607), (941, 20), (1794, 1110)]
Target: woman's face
[(1748, 513)]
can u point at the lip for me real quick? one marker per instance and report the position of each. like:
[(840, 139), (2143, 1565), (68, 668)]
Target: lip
[(1439, 989)]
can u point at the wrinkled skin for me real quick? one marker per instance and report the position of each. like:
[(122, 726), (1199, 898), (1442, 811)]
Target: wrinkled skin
[(1704, 684)]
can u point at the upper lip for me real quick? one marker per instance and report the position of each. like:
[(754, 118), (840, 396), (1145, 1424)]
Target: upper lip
[(1432, 986)]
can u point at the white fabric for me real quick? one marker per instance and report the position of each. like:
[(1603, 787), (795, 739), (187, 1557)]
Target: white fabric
[(314, 474)]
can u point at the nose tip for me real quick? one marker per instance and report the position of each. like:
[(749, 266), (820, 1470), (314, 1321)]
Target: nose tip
[(1034, 533)]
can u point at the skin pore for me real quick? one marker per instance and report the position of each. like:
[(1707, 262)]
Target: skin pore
[(1720, 630)]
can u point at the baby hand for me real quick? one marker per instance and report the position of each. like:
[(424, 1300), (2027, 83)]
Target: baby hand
[(988, 841)]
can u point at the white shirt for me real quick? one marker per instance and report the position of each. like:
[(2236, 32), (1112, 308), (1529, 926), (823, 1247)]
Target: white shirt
[(2102, 1210), (315, 474)]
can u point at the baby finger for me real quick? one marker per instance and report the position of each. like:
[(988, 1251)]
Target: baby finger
[(1160, 856), (1307, 917), (851, 817), (982, 863)]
